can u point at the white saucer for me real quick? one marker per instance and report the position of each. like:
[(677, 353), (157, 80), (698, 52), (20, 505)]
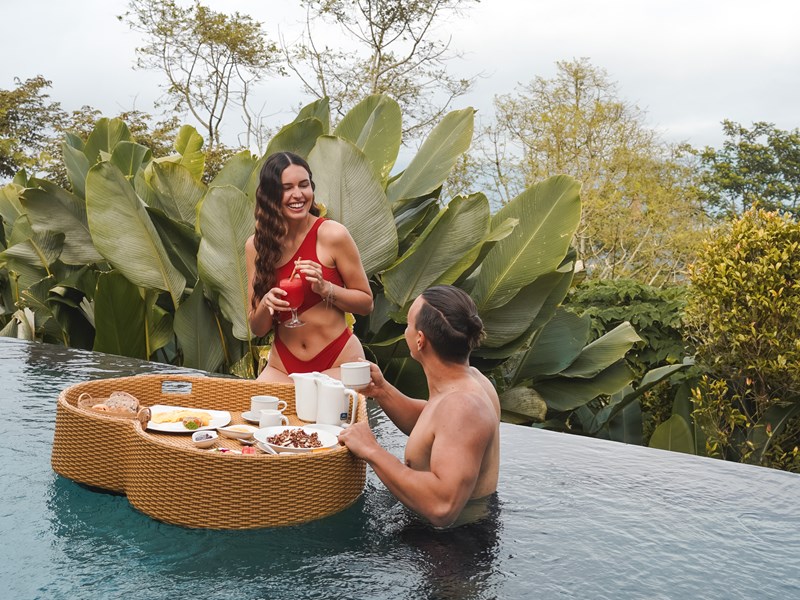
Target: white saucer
[(251, 416)]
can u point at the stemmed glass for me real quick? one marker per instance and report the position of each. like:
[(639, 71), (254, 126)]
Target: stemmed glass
[(294, 296)]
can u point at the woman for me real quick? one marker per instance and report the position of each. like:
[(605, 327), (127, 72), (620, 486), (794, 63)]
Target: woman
[(291, 237)]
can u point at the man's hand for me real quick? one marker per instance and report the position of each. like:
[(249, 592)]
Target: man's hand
[(377, 387), (359, 439)]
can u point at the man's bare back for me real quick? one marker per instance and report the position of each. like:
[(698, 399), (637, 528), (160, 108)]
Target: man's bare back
[(478, 400)]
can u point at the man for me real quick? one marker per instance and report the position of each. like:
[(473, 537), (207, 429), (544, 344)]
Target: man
[(452, 455)]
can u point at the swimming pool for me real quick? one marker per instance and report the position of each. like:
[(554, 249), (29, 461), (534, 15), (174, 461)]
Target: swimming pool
[(576, 518)]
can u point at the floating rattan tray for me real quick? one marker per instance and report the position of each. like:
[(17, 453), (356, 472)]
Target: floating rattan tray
[(167, 478)]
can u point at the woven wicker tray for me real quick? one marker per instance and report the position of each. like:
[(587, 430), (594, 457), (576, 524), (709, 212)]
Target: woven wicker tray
[(167, 478)]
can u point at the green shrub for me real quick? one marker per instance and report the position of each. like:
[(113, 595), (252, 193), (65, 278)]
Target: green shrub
[(742, 316)]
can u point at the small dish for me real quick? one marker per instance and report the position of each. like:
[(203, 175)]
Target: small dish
[(239, 432), (204, 438), (251, 416)]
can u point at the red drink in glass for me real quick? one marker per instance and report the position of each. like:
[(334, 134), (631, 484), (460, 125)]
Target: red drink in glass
[(294, 296)]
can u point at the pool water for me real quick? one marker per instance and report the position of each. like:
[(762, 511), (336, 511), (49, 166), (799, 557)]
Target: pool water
[(575, 518)]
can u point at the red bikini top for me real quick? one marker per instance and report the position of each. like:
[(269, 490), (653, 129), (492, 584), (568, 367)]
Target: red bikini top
[(308, 251)]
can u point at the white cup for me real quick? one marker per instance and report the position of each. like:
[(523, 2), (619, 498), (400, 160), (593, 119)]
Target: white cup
[(355, 375), (271, 418), (259, 403)]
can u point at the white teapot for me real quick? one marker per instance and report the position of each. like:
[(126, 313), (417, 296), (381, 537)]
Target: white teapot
[(305, 394)]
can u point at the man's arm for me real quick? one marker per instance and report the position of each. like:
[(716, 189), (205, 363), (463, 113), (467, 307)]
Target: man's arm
[(460, 438), (401, 409)]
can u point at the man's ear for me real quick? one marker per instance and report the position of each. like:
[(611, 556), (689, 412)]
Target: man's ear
[(421, 340)]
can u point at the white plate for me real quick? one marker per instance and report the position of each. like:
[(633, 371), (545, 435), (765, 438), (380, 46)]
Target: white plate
[(251, 417), (232, 431), (328, 439), (219, 418)]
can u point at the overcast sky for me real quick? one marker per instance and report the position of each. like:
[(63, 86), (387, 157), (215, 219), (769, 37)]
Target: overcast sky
[(688, 63)]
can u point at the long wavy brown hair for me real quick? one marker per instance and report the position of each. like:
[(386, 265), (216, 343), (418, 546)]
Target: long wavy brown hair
[(270, 223)]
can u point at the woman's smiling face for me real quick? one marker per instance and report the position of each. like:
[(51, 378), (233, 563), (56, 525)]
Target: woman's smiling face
[(297, 192)]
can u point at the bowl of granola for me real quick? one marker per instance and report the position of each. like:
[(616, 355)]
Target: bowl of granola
[(288, 438)]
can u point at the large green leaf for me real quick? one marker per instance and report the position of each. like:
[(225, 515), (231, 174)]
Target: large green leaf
[(10, 205), (177, 191), (319, 109), (124, 234), (603, 352), (51, 207), (450, 238), (548, 214), (119, 316), (129, 157), (556, 347), (107, 133), (355, 198), (673, 434), (565, 393), (226, 221), (77, 166), (375, 126), (432, 164), (298, 137), (626, 426), (524, 401), (237, 171), (197, 332), (34, 248), (181, 242), (189, 145)]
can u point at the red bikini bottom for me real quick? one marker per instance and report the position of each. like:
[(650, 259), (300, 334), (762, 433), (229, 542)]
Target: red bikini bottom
[(322, 361)]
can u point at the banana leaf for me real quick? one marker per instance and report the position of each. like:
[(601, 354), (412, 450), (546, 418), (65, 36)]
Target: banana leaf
[(548, 214), (181, 243), (77, 166), (319, 109), (437, 156), (226, 221), (119, 316), (673, 434), (177, 191), (298, 137), (448, 241), (565, 393), (556, 347), (189, 145), (107, 133), (10, 205), (523, 401), (51, 207), (198, 336), (124, 234), (375, 126), (626, 426), (603, 352), (129, 157), (355, 198), (238, 171)]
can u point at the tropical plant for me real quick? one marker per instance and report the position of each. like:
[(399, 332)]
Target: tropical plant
[(742, 315), (143, 258)]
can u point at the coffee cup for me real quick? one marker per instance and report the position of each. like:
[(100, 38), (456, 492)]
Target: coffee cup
[(271, 418), (355, 375), (259, 403)]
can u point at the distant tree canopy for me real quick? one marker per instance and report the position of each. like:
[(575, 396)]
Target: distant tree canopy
[(640, 215), (756, 165), (397, 53), (28, 121), (210, 59)]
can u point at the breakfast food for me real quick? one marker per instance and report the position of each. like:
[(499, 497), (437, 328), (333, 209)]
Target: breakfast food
[(178, 416), (117, 404), (295, 438), (191, 422)]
